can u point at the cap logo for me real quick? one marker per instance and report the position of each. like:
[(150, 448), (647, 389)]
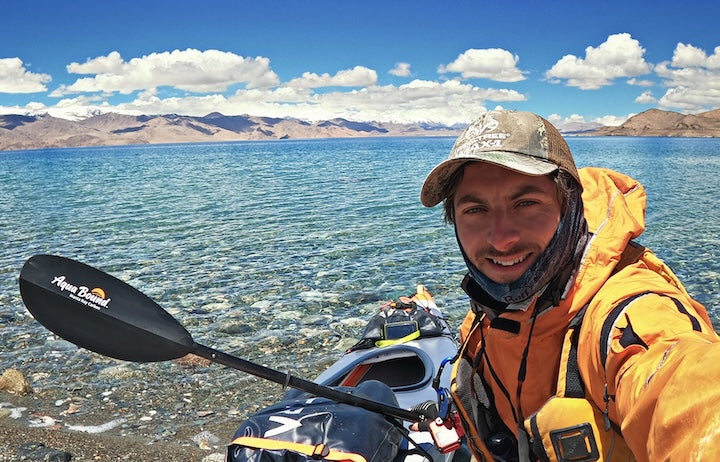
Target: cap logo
[(485, 134)]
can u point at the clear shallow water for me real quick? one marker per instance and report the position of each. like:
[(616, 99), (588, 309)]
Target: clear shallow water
[(278, 251)]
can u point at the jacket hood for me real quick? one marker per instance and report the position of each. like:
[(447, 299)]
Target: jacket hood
[(613, 197), (615, 212)]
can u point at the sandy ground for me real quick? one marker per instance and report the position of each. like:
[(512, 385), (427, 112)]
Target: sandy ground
[(95, 447)]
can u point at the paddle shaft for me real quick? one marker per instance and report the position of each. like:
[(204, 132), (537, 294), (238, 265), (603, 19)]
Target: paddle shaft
[(313, 388)]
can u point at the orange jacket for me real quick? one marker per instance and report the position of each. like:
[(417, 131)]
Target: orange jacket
[(661, 360)]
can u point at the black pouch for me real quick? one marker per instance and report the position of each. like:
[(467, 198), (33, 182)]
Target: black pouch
[(309, 428), (397, 320)]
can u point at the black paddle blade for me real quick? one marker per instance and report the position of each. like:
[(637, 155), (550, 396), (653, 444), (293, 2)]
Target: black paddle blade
[(99, 312)]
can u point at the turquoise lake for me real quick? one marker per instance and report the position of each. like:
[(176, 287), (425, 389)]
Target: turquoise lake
[(278, 251)]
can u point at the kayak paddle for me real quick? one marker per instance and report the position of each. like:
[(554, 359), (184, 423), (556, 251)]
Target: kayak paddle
[(103, 314)]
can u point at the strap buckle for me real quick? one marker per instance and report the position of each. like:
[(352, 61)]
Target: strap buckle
[(575, 444)]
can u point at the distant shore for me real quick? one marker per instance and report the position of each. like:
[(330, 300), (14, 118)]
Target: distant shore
[(20, 132), (25, 132)]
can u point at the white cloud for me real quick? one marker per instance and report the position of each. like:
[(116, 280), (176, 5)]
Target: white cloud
[(691, 56), (359, 76), (619, 56), (576, 121), (691, 99), (15, 78), (212, 80), (555, 119), (400, 70), (78, 108), (110, 64), (30, 108), (450, 102), (491, 63), (646, 98), (612, 120), (640, 82), (575, 118), (190, 70), (692, 78)]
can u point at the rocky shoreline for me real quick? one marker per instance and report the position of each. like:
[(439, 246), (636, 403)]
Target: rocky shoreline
[(60, 402), (29, 433), (38, 424), (19, 442)]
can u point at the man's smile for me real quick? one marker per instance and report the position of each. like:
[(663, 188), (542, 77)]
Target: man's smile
[(509, 262)]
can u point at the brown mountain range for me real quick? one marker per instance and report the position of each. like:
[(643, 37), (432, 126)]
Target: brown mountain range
[(36, 132), (655, 122)]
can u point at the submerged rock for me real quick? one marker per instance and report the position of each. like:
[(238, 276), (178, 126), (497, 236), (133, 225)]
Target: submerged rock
[(192, 360), (13, 381)]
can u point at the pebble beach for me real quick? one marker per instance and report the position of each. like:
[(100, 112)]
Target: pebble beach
[(37, 424), (19, 442)]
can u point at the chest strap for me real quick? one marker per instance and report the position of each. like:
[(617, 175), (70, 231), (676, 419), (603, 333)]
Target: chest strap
[(571, 385)]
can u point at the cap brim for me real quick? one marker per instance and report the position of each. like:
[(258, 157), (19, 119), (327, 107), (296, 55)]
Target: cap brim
[(434, 187)]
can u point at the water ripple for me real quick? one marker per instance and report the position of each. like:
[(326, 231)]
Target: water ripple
[(276, 251)]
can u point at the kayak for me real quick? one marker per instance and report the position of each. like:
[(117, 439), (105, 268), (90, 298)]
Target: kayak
[(407, 366), (400, 359)]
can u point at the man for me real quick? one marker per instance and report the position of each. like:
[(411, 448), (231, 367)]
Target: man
[(558, 290)]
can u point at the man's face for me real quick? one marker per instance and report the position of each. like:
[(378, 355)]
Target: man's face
[(504, 219)]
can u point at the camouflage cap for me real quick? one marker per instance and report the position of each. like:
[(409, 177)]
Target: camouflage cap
[(521, 141)]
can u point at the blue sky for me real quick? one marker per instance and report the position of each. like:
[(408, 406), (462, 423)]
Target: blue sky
[(386, 60)]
